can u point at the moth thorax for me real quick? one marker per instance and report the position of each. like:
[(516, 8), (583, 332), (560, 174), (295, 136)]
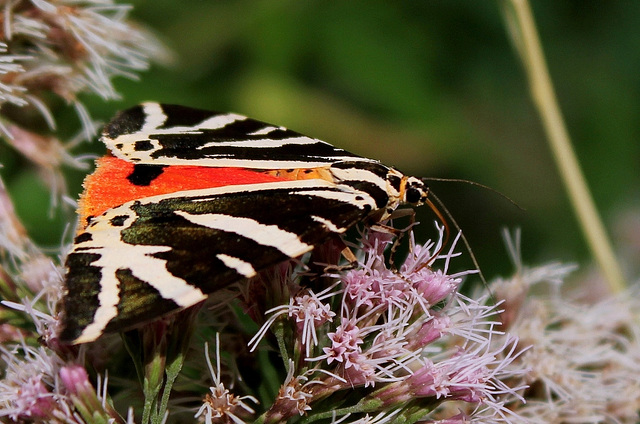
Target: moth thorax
[(369, 177)]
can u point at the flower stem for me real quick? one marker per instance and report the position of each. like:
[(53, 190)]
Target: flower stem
[(158, 350), (519, 20)]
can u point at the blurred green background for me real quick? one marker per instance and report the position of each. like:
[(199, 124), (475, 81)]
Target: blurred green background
[(432, 87)]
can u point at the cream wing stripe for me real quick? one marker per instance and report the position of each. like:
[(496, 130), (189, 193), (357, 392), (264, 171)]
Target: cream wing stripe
[(266, 235), (237, 264)]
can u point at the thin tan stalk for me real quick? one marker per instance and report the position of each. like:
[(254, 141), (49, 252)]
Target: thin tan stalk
[(519, 19)]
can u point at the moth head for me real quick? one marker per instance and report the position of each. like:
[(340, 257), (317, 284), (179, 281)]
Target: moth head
[(413, 191), (407, 190)]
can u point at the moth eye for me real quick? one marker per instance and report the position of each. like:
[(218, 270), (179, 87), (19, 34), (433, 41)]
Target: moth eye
[(413, 195)]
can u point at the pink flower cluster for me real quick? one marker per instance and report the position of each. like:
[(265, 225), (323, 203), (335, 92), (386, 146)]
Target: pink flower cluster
[(399, 339)]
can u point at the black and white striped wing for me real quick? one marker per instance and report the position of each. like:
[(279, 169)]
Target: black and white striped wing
[(161, 134), (159, 254)]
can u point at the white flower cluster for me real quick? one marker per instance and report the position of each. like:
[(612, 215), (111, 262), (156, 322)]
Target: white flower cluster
[(68, 47), (62, 48)]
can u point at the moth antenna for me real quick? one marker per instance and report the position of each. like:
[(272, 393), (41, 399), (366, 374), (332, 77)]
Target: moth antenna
[(457, 227), (473, 183)]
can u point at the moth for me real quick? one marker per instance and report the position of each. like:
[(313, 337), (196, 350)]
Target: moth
[(189, 201)]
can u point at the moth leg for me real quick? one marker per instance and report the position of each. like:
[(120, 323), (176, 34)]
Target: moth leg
[(348, 254), (324, 264), (398, 233), (400, 213)]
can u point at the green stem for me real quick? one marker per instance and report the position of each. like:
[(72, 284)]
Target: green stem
[(361, 407), (152, 385), (520, 22), (158, 350), (172, 371), (278, 330)]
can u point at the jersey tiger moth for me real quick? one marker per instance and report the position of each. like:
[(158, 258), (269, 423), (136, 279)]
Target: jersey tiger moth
[(189, 201)]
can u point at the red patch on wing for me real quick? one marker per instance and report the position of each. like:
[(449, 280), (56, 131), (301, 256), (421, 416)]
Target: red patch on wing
[(109, 187)]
